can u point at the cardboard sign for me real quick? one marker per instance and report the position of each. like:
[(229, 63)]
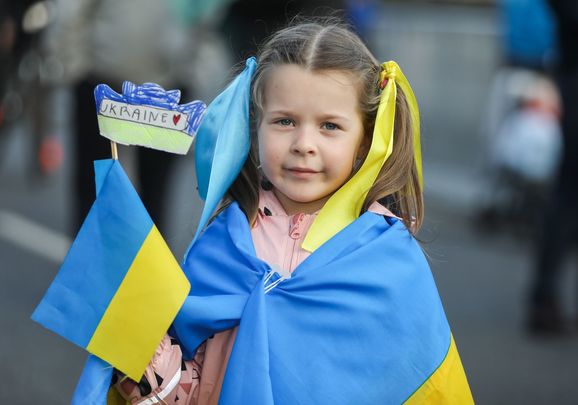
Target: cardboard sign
[(149, 116)]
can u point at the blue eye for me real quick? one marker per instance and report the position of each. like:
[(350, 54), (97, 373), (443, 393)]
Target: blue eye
[(330, 126), (284, 122)]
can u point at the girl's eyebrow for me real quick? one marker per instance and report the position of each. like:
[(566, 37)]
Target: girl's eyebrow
[(278, 112), (336, 117), (329, 116)]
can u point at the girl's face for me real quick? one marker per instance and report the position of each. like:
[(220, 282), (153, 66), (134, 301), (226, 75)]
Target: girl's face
[(310, 134)]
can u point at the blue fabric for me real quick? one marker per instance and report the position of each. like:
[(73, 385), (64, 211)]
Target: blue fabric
[(360, 320), (98, 259), (223, 141), (94, 382), (530, 31)]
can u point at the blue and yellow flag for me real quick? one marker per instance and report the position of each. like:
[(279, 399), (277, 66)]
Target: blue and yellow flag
[(119, 287), (363, 310)]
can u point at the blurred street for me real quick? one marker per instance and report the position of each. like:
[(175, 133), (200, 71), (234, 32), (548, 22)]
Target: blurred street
[(449, 54)]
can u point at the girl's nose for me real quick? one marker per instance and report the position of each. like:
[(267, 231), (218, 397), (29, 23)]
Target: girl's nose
[(303, 142)]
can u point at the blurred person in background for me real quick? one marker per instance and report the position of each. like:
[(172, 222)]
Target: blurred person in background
[(23, 73), (8, 34), (521, 126), (111, 41), (560, 226), (14, 42)]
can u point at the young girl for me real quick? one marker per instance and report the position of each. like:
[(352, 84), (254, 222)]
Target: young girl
[(307, 285)]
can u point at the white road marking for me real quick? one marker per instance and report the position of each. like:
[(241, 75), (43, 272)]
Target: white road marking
[(39, 239)]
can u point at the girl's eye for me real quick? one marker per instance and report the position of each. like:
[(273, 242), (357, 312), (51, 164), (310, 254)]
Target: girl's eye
[(284, 122), (330, 126)]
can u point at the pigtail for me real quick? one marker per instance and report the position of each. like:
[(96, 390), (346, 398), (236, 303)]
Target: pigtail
[(398, 184)]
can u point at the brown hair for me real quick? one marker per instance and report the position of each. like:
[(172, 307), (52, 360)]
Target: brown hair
[(329, 45)]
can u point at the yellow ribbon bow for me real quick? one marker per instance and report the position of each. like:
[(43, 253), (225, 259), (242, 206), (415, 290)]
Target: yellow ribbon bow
[(344, 206)]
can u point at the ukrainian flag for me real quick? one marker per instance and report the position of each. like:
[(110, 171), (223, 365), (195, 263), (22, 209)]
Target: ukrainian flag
[(119, 287)]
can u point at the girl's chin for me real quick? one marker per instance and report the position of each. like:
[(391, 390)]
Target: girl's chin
[(301, 203)]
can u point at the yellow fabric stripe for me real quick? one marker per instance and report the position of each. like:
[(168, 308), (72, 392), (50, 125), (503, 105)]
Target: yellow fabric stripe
[(344, 206), (142, 309), (447, 385)]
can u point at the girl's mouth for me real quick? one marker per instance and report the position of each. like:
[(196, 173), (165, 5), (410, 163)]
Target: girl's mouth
[(301, 172)]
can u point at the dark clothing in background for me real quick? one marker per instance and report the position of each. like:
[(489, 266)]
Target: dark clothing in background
[(560, 227), (566, 13), (249, 22)]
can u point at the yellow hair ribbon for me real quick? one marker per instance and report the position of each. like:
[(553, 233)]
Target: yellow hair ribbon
[(344, 206)]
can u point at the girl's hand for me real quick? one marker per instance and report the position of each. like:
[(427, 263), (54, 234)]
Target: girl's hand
[(162, 378)]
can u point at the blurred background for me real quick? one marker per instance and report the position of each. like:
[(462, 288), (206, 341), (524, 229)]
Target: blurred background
[(485, 73)]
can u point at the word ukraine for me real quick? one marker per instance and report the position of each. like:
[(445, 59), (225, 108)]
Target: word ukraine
[(143, 115)]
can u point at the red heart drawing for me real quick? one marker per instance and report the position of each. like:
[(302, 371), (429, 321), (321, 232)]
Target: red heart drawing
[(176, 118)]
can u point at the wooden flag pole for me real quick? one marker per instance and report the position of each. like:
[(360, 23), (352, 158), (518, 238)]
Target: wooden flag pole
[(114, 150)]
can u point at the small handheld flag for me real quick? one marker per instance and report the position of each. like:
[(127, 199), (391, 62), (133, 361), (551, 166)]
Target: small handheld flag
[(147, 115), (119, 287)]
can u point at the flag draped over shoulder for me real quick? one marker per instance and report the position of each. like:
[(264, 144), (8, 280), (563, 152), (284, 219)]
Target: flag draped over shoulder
[(358, 322), (119, 287)]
